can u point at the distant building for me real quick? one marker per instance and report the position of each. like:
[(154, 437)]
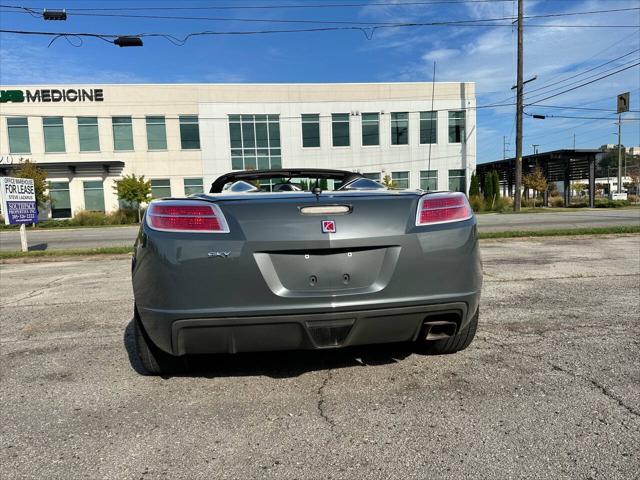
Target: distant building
[(608, 146), (634, 151), (183, 136)]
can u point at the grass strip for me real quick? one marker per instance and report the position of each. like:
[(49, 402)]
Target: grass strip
[(557, 232), (51, 225), (67, 252)]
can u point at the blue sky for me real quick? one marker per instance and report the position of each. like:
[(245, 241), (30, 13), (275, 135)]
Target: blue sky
[(564, 47)]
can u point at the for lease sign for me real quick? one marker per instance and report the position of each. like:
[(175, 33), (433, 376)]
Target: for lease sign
[(18, 197)]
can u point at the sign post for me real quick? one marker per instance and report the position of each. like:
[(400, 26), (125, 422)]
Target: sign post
[(623, 106), (18, 196)]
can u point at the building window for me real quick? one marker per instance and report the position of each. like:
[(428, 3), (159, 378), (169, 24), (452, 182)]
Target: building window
[(400, 128), (94, 196), (193, 186), (400, 179), (122, 133), (429, 180), (372, 176), (53, 134), (160, 188), (60, 200), (370, 129), (189, 132), (456, 127), (310, 130), (88, 134), (156, 133), (458, 181), (255, 142), (428, 127), (18, 133), (340, 129)]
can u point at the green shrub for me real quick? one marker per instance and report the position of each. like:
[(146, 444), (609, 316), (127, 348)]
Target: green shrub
[(530, 202), (503, 204), (556, 202), (124, 216), (474, 189), (477, 203), (495, 179), (608, 203), (119, 217), (487, 189), (499, 204), (86, 218), (578, 204)]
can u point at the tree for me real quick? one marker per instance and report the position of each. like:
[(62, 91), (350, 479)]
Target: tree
[(388, 182), (488, 187), (535, 180), (579, 187), (28, 169), (496, 184), (474, 188), (134, 190)]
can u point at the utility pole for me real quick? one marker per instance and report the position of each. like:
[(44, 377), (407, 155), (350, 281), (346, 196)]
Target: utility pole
[(535, 148), (574, 141), (504, 147), (519, 93)]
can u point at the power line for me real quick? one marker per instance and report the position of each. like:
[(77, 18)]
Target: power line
[(31, 11), (559, 132), (583, 108), (367, 31), (584, 72), (584, 84), (555, 89), (292, 6), (544, 85), (617, 42), (584, 118)]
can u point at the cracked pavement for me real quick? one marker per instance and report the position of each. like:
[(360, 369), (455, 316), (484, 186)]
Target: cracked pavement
[(550, 387)]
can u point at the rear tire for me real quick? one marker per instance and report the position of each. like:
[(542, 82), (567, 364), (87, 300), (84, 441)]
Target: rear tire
[(154, 361), (453, 344)]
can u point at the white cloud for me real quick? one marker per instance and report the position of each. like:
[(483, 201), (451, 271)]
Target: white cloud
[(440, 54), (26, 64)]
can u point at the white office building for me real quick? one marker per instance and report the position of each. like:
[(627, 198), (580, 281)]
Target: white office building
[(183, 136)]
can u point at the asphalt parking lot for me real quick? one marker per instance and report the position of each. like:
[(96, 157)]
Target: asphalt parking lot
[(550, 388)]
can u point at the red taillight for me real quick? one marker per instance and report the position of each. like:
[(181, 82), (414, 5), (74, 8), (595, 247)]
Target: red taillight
[(443, 208), (188, 216)]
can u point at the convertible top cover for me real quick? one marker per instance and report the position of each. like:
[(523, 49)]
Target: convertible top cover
[(342, 176)]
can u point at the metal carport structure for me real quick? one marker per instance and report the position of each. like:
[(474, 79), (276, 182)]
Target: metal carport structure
[(558, 166)]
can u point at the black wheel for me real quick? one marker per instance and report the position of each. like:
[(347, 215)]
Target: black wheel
[(453, 344), (154, 360)]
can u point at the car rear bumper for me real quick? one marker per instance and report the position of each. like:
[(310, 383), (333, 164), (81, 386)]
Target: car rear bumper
[(259, 297), (304, 331)]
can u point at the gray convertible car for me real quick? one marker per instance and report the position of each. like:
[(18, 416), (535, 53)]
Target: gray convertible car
[(303, 259)]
